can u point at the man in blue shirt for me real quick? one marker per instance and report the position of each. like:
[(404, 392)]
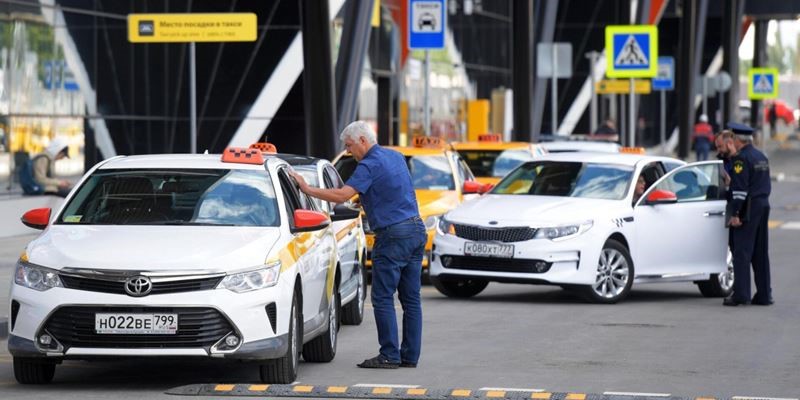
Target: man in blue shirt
[(383, 183), (749, 205)]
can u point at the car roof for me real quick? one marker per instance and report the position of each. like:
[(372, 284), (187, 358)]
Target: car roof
[(578, 145), (418, 151), (299, 160), (605, 158), (177, 161), (476, 145)]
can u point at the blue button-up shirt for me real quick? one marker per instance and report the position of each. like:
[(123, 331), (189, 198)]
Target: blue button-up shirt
[(384, 184)]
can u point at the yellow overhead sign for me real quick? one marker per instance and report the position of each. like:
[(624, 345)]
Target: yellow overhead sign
[(200, 27), (623, 86)]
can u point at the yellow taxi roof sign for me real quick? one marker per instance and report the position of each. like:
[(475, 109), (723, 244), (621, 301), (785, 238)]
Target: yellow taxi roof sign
[(426, 142), (264, 147), (632, 150), (241, 155), (490, 137)]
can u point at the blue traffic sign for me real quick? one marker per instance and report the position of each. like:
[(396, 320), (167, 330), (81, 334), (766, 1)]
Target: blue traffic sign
[(427, 24), (665, 77), (631, 51)]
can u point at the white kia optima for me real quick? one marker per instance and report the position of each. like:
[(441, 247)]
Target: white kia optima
[(575, 220), (180, 256)]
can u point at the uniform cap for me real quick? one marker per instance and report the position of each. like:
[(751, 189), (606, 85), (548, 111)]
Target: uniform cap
[(740, 129)]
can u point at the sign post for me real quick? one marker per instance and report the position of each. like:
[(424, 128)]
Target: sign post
[(593, 56), (427, 25), (631, 52), (192, 28), (664, 80), (554, 60)]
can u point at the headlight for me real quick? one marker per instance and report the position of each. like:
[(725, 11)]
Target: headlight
[(252, 280), (431, 221), (562, 232), (36, 277), (445, 227)]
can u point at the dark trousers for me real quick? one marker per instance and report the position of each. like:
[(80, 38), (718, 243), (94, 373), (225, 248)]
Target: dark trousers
[(397, 267), (750, 246)]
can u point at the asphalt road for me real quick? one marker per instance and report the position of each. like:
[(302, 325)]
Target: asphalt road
[(664, 338)]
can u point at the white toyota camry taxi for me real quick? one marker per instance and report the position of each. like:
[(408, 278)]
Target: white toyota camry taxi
[(179, 256), (574, 220)]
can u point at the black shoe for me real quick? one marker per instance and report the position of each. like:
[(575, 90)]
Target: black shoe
[(729, 301), (762, 303), (379, 362), (408, 365)]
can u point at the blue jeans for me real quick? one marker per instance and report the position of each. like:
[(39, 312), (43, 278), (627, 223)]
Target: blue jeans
[(397, 267)]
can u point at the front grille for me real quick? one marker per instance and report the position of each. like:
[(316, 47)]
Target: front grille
[(73, 326), (508, 234), (495, 264), (118, 287)]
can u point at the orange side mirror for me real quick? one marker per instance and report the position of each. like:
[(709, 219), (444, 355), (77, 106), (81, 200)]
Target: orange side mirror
[(306, 220), (472, 187), (660, 196), (37, 218)]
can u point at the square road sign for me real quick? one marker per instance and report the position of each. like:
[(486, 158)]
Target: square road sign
[(762, 83), (427, 24), (632, 51)]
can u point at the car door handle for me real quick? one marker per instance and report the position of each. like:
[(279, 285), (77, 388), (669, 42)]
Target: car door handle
[(714, 214)]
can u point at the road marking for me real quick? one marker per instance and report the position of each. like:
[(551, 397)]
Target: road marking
[(761, 398), (637, 394), (793, 225), (388, 385)]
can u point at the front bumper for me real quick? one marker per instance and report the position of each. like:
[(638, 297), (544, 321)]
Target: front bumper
[(572, 261), (244, 315)]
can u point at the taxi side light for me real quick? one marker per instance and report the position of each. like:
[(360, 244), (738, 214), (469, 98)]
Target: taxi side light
[(38, 218), (241, 155)]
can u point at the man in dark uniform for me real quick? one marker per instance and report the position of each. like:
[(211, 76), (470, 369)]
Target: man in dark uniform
[(383, 183), (750, 189)]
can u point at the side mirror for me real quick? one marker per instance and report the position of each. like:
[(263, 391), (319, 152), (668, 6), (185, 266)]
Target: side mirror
[(342, 212), (37, 218), (487, 188), (307, 221), (472, 187), (660, 196)]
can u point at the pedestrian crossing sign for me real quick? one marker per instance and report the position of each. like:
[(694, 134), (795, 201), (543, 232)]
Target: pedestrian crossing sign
[(632, 51), (762, 83)]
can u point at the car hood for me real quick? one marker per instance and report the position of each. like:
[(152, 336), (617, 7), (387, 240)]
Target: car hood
[(436, 202), (515, 210), (153, 248)]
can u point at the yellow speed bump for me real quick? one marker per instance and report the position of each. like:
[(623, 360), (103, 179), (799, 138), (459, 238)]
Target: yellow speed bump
[(461, 393), (258, 388), (576, 396), (495, 394), (541, 396), (381, 390), (337, 389), (303, 389), (224, 388), (417, 392)]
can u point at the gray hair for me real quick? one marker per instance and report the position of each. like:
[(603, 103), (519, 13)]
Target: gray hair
[(744, 138), (359, 129)]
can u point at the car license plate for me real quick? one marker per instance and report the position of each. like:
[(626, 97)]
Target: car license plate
[(136, 324), (489, 249)]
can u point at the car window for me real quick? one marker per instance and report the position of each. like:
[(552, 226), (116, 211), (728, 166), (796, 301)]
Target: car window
[(309, 173), (568, 179), (508, 160), (335, 179), (694, 183), (174, 197), (295, 200), (431, 172)]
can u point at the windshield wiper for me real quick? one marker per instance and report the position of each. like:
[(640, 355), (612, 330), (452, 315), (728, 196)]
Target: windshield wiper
[(180, 222)]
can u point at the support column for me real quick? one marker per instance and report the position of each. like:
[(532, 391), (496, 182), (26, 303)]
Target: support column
[(732, 11), (522, 69), (350, 61), (685, 76), (547, 22), (318, 94), (759, 60)]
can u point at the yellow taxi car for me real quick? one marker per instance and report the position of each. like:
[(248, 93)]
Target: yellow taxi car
[(441, 178), (490, 158)]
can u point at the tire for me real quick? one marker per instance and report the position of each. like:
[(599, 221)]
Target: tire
[(719, 285), (31, 371), (353, 312), (459, 288), (284, 369), (323, 348), (614, 275)]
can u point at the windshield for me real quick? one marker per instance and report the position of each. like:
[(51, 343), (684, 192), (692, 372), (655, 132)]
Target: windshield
[(494, 163), (427, 172), (174, 197), (568, 179)]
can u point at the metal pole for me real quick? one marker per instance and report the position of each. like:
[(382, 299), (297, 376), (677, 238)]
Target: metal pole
[(426, 100), (663, 122), (553, 91), (705, 95), (632, 117), (192, 99), (592, 55)]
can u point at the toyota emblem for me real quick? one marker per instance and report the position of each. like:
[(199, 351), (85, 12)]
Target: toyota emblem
[(138, 286)]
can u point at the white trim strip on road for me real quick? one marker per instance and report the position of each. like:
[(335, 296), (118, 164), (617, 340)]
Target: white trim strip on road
[(761, 398), (511, 389), (373, 385), (793, 225), (637, 394)]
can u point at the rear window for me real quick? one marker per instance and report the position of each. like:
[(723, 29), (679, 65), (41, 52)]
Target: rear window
[(174, 197), (427, 172)]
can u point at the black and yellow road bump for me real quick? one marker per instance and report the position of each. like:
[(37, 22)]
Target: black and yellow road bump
[(403, 392)]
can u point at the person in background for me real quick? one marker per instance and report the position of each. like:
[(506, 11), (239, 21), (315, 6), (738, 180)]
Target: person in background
[(43, 166), (702, 138), (607, 129), (638, 191), (750, 190)]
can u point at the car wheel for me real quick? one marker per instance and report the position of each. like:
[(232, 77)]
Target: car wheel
[(461, 288), (323, 347), (614, 276), (32, 371), (284, 369), (353, 312), (719, 285)]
